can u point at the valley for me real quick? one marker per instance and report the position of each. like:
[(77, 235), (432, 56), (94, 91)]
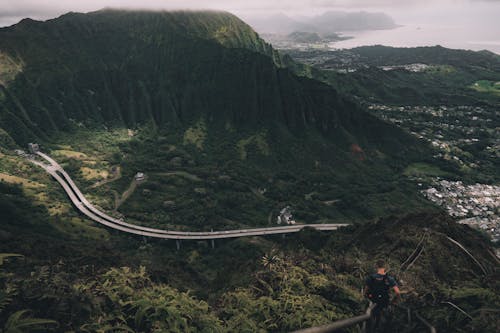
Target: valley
[(162, 125), (465, 137), (85, 207), (184, 189)]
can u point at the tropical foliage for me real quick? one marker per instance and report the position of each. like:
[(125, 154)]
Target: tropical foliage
[(20, 321), (123, 299)]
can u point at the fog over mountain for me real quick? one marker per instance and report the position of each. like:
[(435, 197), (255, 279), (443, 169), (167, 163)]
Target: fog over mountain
[(328, 22), (166, 169), (454, 23)]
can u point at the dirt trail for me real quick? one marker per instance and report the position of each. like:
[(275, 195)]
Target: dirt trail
[(117, 175), (125, 195)]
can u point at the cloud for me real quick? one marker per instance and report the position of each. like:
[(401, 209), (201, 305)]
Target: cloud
[(13, 10)]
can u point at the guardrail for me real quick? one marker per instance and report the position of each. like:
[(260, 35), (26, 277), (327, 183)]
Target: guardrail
[(340, 324), (86, 208), (364, 318)]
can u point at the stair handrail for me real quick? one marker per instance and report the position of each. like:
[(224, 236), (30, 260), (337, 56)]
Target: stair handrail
[(340, 324)]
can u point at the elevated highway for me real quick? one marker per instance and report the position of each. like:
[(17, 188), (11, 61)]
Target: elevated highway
[(87, 209)]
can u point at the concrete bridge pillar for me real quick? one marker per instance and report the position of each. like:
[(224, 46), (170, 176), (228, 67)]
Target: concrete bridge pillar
[(178, 244)]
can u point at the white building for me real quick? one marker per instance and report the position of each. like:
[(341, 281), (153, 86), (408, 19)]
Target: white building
[(285, 216)]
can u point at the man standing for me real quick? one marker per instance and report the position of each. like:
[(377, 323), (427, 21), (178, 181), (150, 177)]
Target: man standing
[(377, 290)]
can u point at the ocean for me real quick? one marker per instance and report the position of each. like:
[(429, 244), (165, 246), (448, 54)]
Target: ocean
[(451, 36)]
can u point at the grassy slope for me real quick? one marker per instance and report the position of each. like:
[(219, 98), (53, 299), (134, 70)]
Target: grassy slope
[(448, 82), (209, 184), (316, 278)]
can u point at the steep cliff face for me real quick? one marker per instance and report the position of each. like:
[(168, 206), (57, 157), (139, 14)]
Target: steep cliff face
[(131, 67), (128, 68), (205, 83)]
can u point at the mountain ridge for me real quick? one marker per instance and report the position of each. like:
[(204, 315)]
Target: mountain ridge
[(325, 23), (133, 79), (228, 110), (225, 138)]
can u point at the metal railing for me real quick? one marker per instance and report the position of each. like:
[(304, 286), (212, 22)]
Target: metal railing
[(86, 208), (340, 324), (364, 318)]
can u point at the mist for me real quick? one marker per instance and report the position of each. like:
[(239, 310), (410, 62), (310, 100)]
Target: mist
[(469, 24)]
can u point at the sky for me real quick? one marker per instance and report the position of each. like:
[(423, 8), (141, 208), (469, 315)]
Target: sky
[(479, 19), (11, 11)]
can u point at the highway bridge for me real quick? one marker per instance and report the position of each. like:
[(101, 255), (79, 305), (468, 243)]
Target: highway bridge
[(87, 209)]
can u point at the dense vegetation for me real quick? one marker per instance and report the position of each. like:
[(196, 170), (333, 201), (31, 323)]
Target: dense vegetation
[(208, 100), (144, 75), (449, 80), (226, 138), (247, 285), (453, 83)]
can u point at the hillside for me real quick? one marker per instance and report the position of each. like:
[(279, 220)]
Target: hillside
[(225, 139), (377, 73), (81, 76), (256, 284), (144, 75), (432, 92), (201, 94)]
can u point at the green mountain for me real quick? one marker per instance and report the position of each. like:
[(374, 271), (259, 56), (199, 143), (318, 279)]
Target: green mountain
[(245, 285), (207, 98), (377, 74), (128, 68), (421, 79), (68, 68), (227, 137)]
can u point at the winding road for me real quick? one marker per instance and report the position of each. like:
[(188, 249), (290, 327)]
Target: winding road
[(86, 208)]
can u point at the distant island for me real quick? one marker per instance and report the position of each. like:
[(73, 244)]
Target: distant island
[(326, 23), (314, 37), (303, 39), (335, 21), (285, 32)]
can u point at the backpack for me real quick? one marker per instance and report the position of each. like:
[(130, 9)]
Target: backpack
[(378, 288)]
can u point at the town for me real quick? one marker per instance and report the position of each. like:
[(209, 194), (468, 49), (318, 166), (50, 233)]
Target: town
[(327, 57), (467, 135), (476, 205)]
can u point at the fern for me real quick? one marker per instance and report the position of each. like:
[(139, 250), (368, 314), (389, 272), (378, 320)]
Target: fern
[(21, 321), (5, 299), (4, 256)]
